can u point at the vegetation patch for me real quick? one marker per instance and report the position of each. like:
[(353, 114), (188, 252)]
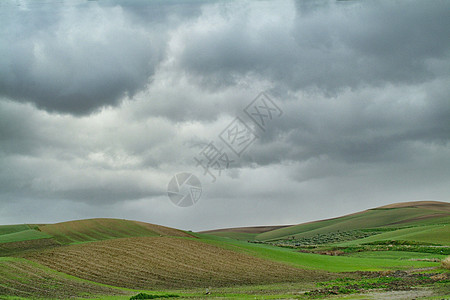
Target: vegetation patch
[(393, 281), (441, 250), (24, 235), (151, 296), (104, 229), (446, 263), (326, 238)]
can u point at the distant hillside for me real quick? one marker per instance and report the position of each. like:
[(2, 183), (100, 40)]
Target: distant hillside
[(104, 229), (389, 218), (16, 238), (433, 205), (243, 233), (36, 260)]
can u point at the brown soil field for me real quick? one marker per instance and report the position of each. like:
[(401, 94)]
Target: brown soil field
[(165, 262), (22, 278)]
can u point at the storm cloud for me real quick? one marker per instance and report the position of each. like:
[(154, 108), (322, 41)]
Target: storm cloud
[(101, 103), (76, 59)]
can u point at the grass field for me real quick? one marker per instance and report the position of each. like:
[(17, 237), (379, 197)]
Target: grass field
[(434, 234), (380, 252), (240, 236), (398, 255), (7, 229), (104, 229), (24, 235), (315, 261), (392, 217)]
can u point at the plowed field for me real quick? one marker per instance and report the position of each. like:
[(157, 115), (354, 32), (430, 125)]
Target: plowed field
[(166, 262), (22, 278)]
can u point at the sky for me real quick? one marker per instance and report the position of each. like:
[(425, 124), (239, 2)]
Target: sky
[(285, 111)]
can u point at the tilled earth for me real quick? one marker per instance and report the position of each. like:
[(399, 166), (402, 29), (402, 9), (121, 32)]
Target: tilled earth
[(22, 278), (166, 262)]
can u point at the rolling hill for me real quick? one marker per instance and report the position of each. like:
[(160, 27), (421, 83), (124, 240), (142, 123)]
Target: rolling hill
[(421, 221), (166, 262), (18, 238), (111, 258), (105, 229), (243, 233)]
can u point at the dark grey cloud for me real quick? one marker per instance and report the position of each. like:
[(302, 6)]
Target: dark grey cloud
[(333, 46), (101, 103), (77, 58)]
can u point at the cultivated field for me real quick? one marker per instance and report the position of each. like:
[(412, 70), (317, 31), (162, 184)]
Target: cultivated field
[(394, 251), (166, 262), (22, 278)]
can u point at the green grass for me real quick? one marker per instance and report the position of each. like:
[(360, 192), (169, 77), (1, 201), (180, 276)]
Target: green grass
[(25, 235), (431, 221), (153, 296), (7, 229), (402, 255), (437, 234), (95, 230), (314, 261), (240, 236), (368, 219)]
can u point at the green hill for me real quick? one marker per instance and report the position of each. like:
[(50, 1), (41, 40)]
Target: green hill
[(410, 221), (108, 258), (429, 234), (387, 218), (243, 233), (18, 238), (104, 229)]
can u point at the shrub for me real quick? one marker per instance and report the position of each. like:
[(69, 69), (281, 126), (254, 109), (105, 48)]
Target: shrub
[(147, 296), (446, 263)]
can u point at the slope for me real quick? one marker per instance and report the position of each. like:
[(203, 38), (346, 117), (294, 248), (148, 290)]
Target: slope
[(23, 278), (314, 261), (428, 234), (243, 233), (103, 229), (388, 217), (166, 262), (19, 238)]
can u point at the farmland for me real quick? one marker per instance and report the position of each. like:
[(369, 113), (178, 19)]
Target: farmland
[(398, 248), (23, 278), (166, 262)]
